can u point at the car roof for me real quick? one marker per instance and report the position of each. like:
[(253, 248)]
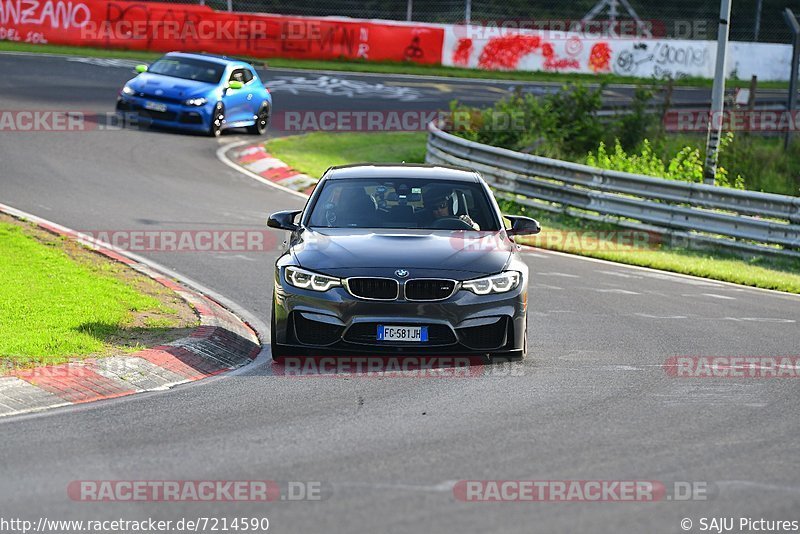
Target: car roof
[(400, 171), (222, 60)]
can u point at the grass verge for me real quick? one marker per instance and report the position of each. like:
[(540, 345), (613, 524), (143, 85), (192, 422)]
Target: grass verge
[(389, 67), (60, 301), (313, 153)]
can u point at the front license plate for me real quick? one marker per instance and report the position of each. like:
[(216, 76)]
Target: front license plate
[(155, 106), (403, 333)]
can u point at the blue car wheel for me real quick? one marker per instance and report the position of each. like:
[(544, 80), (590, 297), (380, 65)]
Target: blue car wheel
[(217, 120), (262, 120)]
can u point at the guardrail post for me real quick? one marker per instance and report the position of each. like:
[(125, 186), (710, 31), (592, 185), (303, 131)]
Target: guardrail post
[(717, 95), (791, 20)]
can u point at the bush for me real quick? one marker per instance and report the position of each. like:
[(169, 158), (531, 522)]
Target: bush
[(563, 124), (686, 165), (566, 125)]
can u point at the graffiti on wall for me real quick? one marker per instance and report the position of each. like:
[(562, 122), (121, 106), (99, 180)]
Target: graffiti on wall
[(506, 52), (665, 60), (571, 52), (191, 27), (53, 14)]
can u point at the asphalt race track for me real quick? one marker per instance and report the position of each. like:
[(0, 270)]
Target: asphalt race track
[(591, 402)]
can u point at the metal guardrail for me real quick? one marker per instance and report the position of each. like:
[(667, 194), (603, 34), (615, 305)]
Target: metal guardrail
[(743, 221)]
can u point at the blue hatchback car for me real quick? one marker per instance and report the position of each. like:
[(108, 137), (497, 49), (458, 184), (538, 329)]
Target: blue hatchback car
[(198, 92)]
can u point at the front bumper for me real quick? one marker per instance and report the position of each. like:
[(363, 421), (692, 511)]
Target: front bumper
[(174, 115), (335, 320)]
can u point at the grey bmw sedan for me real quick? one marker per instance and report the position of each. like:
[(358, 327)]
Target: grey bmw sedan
[(410, 259)]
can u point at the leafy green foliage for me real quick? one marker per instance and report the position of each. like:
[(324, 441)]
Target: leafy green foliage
[(686, 165), (567, 125), (558, 125)]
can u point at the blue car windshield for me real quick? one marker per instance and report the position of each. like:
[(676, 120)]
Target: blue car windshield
[(188, 69), (410, 203)]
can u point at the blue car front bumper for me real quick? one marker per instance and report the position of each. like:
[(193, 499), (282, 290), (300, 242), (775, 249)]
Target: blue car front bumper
[(165, 114)]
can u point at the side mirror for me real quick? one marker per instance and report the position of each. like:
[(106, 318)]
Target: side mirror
[(523, 225), (284, 220), (140, 68), (235, 85)]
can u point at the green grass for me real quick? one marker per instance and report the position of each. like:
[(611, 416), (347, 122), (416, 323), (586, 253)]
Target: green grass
[(54, 307), (388, 67), (765, 272), (313, 153)]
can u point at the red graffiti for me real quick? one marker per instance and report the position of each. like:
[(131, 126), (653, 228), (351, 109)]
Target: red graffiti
[(600, 57), (160, 26), (506, 52), (462, 52)]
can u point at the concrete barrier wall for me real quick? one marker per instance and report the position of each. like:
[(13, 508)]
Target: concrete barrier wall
[(190, 27)]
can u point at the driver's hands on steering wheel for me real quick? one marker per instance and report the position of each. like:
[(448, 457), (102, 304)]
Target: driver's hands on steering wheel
[(462, 222)]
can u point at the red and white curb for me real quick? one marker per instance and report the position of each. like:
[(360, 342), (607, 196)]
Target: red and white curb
[(221, 343), (256, 159)]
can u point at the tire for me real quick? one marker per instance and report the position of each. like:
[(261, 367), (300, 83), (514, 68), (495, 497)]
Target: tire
[(217, 120), (262, 120)]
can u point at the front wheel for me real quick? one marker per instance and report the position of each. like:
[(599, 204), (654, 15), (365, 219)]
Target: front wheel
[(262, 120), (217, 120)]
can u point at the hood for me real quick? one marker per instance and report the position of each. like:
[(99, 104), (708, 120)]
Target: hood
[(348, 252), (172, 87)]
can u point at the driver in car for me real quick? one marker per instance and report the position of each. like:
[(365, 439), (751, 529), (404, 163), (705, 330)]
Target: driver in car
[(438, 205)]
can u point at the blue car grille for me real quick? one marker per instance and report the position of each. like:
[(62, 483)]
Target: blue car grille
[(161, 98), (157, 115)]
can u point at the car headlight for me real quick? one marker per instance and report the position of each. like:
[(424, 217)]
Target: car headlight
[(126, 90), (200, 101), (309, 280), (497, 283)]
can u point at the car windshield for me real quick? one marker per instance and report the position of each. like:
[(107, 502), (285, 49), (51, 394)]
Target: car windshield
[(188, 69), (403, 203)]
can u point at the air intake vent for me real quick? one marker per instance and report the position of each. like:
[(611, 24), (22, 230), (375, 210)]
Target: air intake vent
[(311, 332), (367, 333), (485, 337)]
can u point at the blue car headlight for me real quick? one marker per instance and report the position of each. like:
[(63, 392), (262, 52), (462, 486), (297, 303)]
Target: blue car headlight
[(198, 101), (126, 90), (497, 283), (310, 280)]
